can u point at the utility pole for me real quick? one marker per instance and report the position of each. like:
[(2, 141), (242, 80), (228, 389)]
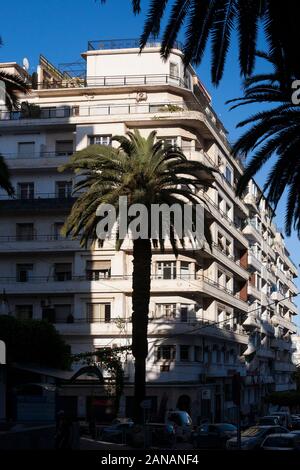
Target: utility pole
[(236, 397)]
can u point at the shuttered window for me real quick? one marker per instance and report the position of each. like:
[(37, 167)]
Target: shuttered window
[(98, 312)]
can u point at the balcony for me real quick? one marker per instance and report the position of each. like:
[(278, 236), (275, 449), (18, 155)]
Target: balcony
[(115, 81), (250, 323), (254, 261), (280, 366), (223, 219), (277, 320), (37, 243), (253, 291), (265, 352), (252, 231), (181, 284), (281, 344), (155, 328), (228, 260), (39, 202), (132, 43), (251, 200), (36, 160)]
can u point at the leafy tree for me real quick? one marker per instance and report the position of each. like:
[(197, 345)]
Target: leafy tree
[(146, 172), (273, 133), (33, 342), (216, 19)]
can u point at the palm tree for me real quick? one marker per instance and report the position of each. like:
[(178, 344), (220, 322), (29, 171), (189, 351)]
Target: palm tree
[(11, 85), (217, 19), (146, 172), (273, 133)]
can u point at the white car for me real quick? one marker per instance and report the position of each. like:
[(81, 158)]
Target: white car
[(285, 442), (253, 437)]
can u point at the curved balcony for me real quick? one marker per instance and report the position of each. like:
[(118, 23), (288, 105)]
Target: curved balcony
[(250, 323)]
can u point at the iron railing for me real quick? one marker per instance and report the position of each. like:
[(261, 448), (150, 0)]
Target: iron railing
[(115, 81), (131, 43), (100, 110)]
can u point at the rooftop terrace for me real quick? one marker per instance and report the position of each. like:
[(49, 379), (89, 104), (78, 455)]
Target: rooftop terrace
[(109, 44)]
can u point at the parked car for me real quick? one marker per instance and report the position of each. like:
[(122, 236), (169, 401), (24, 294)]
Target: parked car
[(253, 437), (285, 442), (117, 432), (284, 418), (268, 421), (213, 436), (182, 423), (295, 422)]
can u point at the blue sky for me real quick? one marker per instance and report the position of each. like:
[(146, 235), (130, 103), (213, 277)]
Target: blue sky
[(60, 30)]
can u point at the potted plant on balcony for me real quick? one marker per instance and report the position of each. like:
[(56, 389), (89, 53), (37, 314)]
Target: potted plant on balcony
[(30, 110)]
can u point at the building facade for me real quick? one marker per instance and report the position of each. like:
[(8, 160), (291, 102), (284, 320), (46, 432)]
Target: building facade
[(224, 309)]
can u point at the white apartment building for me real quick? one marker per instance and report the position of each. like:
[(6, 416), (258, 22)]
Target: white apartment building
[(213, 312)]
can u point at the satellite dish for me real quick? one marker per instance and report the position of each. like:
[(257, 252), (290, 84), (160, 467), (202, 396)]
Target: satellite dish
[(26, 64)]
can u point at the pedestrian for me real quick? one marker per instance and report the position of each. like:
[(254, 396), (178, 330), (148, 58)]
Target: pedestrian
[(63, 436)]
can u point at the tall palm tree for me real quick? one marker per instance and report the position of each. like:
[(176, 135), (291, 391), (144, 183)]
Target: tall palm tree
[(146, 172), (217, 19), (273, 133)]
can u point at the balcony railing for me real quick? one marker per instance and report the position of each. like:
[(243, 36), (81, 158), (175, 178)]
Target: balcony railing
[(35, 155), (100, 110), (116, 81), (132, 43), (86, 278), (33, 238), (38, 196)]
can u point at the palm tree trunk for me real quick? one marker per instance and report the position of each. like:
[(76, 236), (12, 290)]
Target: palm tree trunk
[(141, 281)]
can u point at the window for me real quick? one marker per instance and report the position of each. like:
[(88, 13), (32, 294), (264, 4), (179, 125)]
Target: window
[(26, 190), (24, 312), (100, 140), (228, 210), (228, 283), (184, 270), (99, 313), (221, 244), (169, 141), (227, 247), (26, 149), (63, 189), (184, 313), (229, 175), (96, 270), (198, 354), (63, 271), (166, 270), (167, 311), (64, 147), (174, 70), (220, 203), (25, 232), (166, 352), (187, 80), (57, 230), (184, 353), (24, 272), (63, 313)]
